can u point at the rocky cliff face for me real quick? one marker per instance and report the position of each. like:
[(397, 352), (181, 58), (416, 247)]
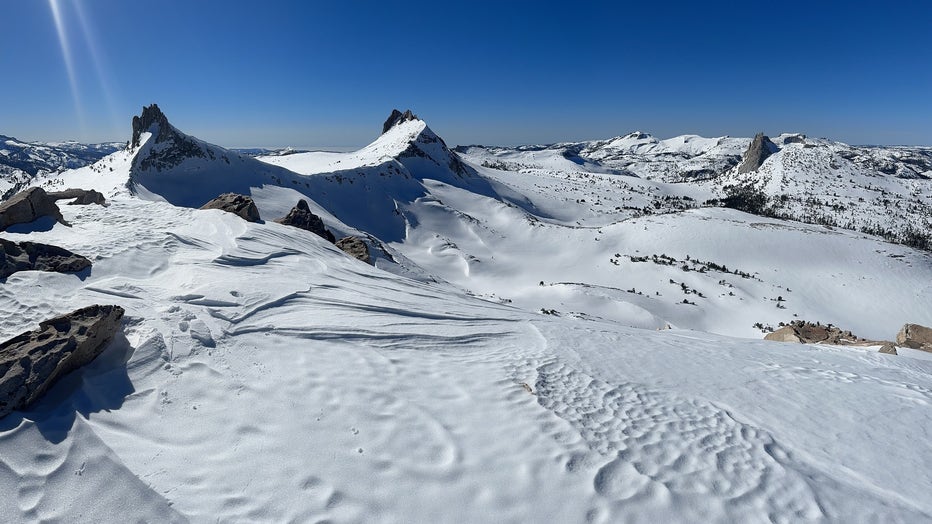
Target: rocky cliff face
[(168, 147), (761, 147)]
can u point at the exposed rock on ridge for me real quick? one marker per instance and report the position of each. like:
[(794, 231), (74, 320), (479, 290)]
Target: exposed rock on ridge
[(28, 256), (82, 197), (355, 247), (33, 361), (301, 217), (27, 206), (761, 147), (240, 205), (396, 118), (170, 146)]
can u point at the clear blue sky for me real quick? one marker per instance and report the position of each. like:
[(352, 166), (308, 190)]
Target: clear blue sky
[(327, 73)]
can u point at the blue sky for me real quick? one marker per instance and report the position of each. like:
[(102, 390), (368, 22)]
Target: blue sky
[(327, 73)]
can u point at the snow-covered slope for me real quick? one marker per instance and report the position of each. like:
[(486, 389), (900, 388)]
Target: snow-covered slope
[(553, 342), (265, 376)]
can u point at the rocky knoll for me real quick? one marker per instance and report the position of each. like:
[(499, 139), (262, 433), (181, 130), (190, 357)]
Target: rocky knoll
[(301, 217), (915, 336), (240, 205), (33, 361), (355, 247), (804, 332), (761, 148), (32, 256), (27, 206), (82, 197)]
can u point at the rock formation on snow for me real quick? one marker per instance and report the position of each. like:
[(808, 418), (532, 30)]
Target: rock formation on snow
[(761, 147), (355, 247), (915, 336), (804, 332), (33, 256), (27, 206), (82, 197), (301, 217), (33, 361), (396, 118), (240, 205)]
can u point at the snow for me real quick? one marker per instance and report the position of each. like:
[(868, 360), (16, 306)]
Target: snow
[(265, 376)]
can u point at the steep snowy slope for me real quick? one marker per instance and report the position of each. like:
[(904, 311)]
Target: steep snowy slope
[(266, 377)]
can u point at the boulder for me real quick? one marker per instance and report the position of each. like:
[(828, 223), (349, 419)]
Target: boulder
[(760, 148), (784, 334), (240, 205), (915, 336), (355, 247), (888, 348), (28, 256), (301, 217), (396, 118), (33, 361), (27, 206), (82, 197)]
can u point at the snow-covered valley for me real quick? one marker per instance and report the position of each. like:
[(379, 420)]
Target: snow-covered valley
[(568, 333)]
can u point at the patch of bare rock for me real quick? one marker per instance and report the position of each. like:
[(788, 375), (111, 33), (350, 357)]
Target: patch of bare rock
[(34, 361)]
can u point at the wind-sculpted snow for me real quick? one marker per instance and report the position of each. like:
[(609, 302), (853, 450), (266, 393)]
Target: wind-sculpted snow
[(266, 376)]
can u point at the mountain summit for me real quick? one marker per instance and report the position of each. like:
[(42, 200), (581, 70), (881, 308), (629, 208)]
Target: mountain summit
[(396, 118)]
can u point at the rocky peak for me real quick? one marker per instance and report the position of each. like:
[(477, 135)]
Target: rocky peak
[(761, 147), (396, 118), (174, 148), (150, 116)]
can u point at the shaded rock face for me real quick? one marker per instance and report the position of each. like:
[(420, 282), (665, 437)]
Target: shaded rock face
[(82, 197), (240, 205), (355, 247), (29, 256), (761, 148), (27, 206), (396, 118), (301, 217), (915, 336), (174, 146), (33, 361), (150, 116)]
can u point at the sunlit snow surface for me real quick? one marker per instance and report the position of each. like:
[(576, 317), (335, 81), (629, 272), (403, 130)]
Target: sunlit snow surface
[(266, 377)]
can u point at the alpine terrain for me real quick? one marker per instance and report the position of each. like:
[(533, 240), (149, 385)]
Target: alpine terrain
[(414, 332)]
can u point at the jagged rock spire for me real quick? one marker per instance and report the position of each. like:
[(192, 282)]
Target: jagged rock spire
[(150, 115), (396, 118), (761, 148)]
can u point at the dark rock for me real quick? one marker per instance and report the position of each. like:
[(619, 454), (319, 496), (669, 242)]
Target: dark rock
[(888, 348), (27, 206), (761, 148), (81, 197), (915, 336), (396, 118), (301, 217), (143, 123), (33, 361), (794, 139), (32, 256), (355, 247), (174, 146), (240, 205)]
